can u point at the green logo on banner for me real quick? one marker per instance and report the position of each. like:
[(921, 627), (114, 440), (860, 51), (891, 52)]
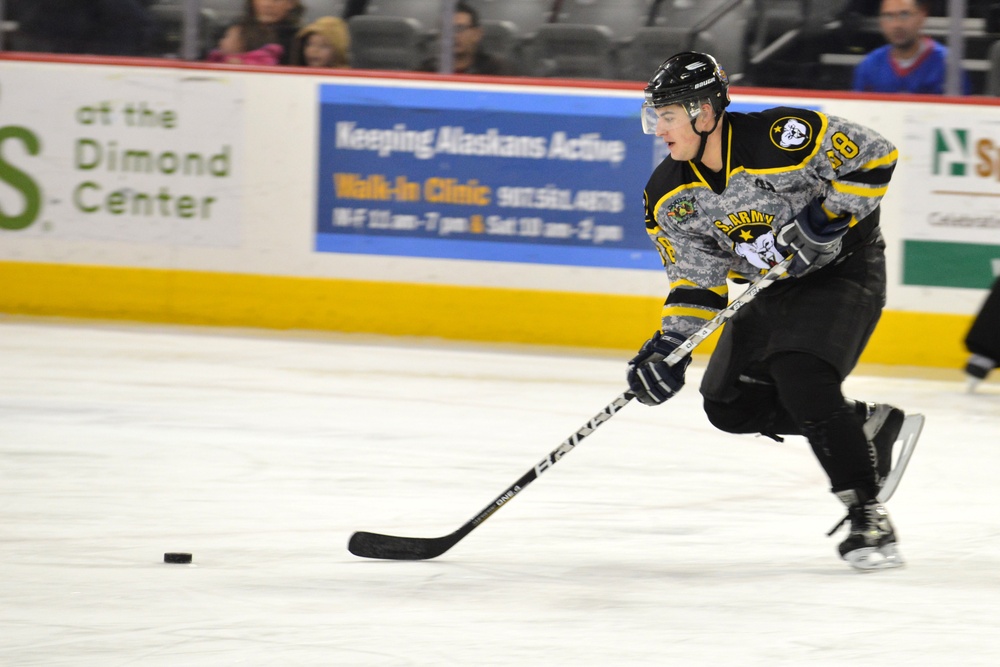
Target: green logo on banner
[(17, 179), (951, 152)]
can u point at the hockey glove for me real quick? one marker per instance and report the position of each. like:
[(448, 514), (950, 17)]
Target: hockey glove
[(814, 237), (649, 377)]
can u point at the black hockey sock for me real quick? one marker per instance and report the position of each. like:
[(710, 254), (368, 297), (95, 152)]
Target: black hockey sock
[(839, 444), (809, 390)]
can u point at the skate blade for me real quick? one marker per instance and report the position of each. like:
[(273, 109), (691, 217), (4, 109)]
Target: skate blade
[(906, 442), (869, 559)]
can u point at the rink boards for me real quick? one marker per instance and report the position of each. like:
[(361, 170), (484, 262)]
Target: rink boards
[(485, 210)]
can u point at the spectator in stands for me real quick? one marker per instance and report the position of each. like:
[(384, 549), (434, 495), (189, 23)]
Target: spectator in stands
[(272, 22), (325, 42), (233, 49), (469, 58), (911, 62), (97, 27)]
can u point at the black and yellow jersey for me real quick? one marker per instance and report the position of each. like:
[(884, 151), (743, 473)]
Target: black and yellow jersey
[(712, 226)]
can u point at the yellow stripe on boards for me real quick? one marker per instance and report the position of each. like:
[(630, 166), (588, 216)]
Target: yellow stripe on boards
[(275, 302), (919, 339), (477, 314)]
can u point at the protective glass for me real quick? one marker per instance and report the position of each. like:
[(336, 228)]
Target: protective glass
[(667, 117)]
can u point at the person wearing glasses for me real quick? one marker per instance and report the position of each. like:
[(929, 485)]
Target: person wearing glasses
[(911, 62)]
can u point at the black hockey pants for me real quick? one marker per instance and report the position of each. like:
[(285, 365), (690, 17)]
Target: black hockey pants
[(780, 362)]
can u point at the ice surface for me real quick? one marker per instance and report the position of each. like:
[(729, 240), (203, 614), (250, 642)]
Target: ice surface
[(657, 541)]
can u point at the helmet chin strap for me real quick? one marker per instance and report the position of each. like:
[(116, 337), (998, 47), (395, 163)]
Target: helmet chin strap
[(704, 135)]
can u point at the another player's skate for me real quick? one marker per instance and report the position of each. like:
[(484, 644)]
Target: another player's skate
[(871, 544), (977, 368)]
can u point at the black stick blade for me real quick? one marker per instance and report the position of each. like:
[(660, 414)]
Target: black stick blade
[(390, 547)]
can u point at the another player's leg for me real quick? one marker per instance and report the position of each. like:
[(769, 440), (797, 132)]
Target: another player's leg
[(977, 368), (983, 341)]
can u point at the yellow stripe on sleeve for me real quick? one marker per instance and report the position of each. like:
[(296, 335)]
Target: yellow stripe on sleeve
[(721, 290), (858, 190), (882, 161), (682, 311)]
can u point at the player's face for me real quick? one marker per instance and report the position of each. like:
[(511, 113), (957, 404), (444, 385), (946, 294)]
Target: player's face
[(673, 126), (902, 22)]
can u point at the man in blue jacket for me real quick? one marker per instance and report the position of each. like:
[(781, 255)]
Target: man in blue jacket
[(911, 62)]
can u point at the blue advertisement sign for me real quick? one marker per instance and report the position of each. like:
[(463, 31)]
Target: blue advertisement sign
[(538, 177), (483, 175)]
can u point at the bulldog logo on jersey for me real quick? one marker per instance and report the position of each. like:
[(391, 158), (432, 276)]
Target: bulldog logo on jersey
[(791, 134), (752, 237), (759, 250)]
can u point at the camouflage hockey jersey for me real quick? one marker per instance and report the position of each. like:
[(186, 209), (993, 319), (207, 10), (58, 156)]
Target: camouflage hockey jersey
[(709, 227)]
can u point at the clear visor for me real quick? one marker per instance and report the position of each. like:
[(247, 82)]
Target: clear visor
[(665, 118)]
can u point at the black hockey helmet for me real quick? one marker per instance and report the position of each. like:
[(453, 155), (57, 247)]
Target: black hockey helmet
[(686, 79)]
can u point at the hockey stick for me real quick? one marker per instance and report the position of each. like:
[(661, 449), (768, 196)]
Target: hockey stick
[(391, 547)]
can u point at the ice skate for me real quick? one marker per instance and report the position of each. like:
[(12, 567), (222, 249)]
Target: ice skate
[(871, 543), (892, 436), (883, 423), (976, 370)]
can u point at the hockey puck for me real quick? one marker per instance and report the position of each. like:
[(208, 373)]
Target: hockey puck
[(176, 558)]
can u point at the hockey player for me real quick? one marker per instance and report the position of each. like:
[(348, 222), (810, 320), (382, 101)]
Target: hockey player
[(983, 339), (738, 192)]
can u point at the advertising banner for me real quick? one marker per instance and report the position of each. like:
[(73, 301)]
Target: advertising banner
[(504, 176), (98, 154), (952, 222)]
